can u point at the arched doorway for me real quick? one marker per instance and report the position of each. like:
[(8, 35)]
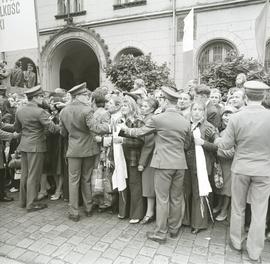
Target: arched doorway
[(72, 56), (78, 64), (25, 61)]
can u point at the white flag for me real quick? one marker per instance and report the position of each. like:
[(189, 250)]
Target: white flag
[(17, 25), (188, 31)]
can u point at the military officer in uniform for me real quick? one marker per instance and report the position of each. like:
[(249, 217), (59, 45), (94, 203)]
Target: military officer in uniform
[(172, 137), (248, 131), (32, 121), (75, 122)]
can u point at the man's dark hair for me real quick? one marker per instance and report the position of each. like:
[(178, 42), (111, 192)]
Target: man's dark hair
[(254, 96), (203, 89)]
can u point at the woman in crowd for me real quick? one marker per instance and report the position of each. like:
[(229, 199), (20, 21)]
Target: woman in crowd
[(132, 151), (148, 107), (199, 219), (225, 158)]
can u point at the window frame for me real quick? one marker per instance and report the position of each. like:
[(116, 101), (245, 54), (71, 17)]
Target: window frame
[(128, 3), (72, 12), (209, 46)]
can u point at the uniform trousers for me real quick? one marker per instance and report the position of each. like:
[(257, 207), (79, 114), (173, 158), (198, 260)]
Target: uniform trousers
[(80, 170), (170, 206), (259, 193), (32, 167)]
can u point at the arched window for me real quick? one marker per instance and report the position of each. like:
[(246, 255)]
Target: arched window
[(267, 56), (130, 50), (215, 51)]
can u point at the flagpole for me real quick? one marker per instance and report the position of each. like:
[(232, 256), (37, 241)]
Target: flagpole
[(39, 62)]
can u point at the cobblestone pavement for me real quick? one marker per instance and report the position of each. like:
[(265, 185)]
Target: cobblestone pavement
[(47, 236)]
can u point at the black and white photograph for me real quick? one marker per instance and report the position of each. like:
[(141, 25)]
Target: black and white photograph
[(134, 131)]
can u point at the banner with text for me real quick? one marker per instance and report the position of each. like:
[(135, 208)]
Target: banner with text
[(17, 25)]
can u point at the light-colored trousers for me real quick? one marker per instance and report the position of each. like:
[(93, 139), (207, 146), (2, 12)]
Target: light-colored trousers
[(32, 167), (259, 193), (170, 205), (80, 170)]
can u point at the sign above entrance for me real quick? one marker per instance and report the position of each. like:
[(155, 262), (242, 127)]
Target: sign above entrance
[(17, 25)]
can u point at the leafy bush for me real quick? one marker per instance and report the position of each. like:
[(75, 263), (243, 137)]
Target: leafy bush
[(222, 75), (123, 73)]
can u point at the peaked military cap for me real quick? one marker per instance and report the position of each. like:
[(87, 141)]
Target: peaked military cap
[(34, 91), (170, 93), (256, 86), (79, 89)]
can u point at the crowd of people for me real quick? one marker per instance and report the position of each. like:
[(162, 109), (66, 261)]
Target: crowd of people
[(177, 157)]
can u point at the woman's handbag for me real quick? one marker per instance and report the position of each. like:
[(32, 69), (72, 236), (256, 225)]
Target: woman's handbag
[(218, 178), (97, 182)]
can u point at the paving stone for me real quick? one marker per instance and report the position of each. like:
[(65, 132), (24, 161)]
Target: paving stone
[(63, 250), (183, 250), (75, 240), (90, 240), (28, 256), (158, 259), (122, 260), (73, 257), (103, 261), (48, 249), (179, 259), (61, 228), (199, 250), (15, 253), (197, 259), (5, 249), (111, 253), (100, 246), (147, 251), (217, 249), (165, 251), (185, 242), (142, 260), (47, 228), (82, 248), (130, 252), (216, 258), (117, 244), (58, 241), (56, 261), (25, 243), (135, 244), (42, 259), (32, 228), (202, 242), (90, 257)]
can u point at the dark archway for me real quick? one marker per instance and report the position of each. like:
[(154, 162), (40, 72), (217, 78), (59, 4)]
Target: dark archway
[(79, 64), (25, 61)]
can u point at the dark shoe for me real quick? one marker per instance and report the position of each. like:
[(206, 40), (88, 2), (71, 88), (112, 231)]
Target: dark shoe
[(147, 219), (156, 238), (74, 218), (6, 199), (89, 214), (195, 231), (175, 235), (233, 247), (37, 207)]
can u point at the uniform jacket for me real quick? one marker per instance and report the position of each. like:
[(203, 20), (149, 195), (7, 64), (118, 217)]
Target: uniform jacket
[(33, 122), (172, 136), (249, 130), (73, 123)]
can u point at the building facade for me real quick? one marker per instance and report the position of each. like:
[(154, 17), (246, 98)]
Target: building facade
[(77, 41)]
